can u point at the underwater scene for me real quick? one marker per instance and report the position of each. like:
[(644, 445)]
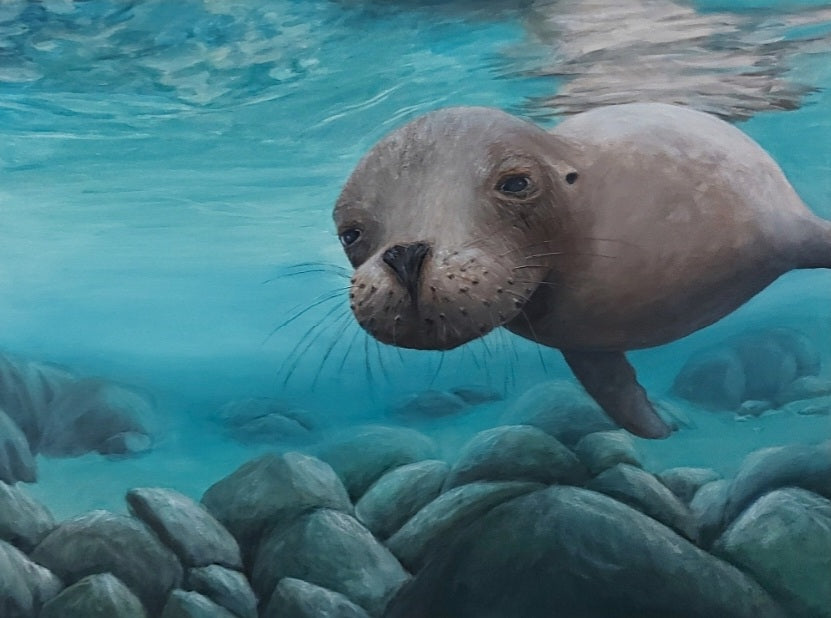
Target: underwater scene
[(415, 309)]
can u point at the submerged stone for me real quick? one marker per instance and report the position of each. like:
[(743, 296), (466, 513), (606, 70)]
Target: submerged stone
[(266, 420), (602, 450), (101, 542), (798, 465), (566, 551), (641, 490), (23, 521), (16, 461), (94, 596), (707, 507), (225, 587), (441, 520), (87, 414), (271, 491), (399, 494), (818, 406), (185, 526), (515, 453), (429, 404), (364, 457), (295, 598), (805, 387), (685, 482), (560, 408), (712, 378), (784, 540), (27, 389), (24, 586), (330, 549), (182, 604)]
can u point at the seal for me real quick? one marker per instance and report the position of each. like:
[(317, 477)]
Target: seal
[(625, 227)]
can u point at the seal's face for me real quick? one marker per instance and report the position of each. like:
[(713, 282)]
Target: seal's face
[(451, 223)]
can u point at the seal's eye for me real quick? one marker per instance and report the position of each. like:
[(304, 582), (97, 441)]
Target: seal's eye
[(517, 185), (349, 236)]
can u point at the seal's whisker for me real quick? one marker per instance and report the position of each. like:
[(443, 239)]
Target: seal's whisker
[(342, 322), (323, 298), (368, 364), (381, 362), (438, 368), (303, 268), (536, 341), (318, 329), (350, 347), (543, 266)]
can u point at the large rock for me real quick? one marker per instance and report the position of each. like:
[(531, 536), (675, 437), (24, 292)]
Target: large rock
[(270, 491), (23, 521), (399, 494), (330, 549), (707, 507), (294, 598), (712, 378), (515, 453), (186, 527), (641, 490), (442, 519), (602, 450), (95, 415), (784, 541), (560, 408), (101, 542), (27, 390), (806, 466), (364, 457), (224, 587), (685, 482), (182, 604), (565, 551), (95, 596), (768, 365), (16, 461), (24, 586)]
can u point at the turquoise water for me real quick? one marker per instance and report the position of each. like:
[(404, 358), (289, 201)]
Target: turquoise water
[(166, 165)]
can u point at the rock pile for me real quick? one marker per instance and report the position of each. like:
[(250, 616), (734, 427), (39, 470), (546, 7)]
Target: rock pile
[(45, 409), (519, 524)]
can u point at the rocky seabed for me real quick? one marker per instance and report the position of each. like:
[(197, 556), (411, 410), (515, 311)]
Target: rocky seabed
[(521, 525)]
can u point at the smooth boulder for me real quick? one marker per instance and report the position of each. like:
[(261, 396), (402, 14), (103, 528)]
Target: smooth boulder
[(295, 598), (602, 450), (16, 460), (400, 494), (684, 482), (363, 457), (101, 542), (225, 587), (185, 527), (183, 604), (441, 520), (23, 520), (560, 408), (784, 541), (330, 549), (24, 586), (566, 551), (94, 596), (272, 490), (641, 490)]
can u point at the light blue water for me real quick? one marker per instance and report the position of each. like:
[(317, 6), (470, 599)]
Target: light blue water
[(165, 164)]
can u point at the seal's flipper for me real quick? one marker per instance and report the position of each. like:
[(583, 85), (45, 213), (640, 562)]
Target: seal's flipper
[(610, 379)]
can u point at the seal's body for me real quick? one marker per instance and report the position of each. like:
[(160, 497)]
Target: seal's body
[(626, 227)]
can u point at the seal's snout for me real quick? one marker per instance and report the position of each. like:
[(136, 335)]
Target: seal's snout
[(406, 261)]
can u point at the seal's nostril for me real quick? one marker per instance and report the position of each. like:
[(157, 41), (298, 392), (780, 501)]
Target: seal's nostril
[(406, 262)]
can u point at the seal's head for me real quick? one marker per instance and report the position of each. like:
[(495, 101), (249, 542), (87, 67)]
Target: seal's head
[(451, 223)]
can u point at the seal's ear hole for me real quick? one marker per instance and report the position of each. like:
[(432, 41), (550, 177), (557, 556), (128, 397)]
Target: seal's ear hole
[(572, 177)]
